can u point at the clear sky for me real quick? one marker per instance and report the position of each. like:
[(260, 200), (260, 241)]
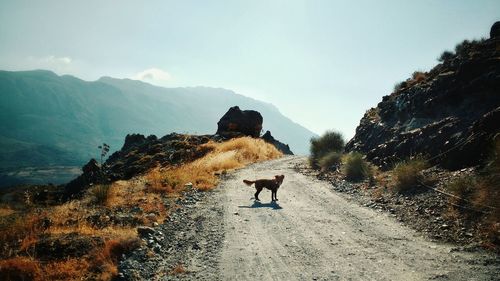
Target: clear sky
[(322, 63)]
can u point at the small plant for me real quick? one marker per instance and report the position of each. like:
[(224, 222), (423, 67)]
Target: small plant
[(463, 187), (418, 76), (407, 175), (330, 161), (328, 142), (355, 167), (178, 269), (104, 150), (101, 193), (446, 56)]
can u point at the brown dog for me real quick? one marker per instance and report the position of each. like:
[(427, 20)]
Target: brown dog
[(272, 185)]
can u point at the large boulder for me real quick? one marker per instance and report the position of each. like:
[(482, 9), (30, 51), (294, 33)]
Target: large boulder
[(495, 30), (240, 122), (450, 114)]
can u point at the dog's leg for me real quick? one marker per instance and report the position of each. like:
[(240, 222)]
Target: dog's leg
[(276, 195), (257, 193)]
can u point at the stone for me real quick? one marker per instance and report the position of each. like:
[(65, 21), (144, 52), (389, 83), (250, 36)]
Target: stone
[(145, 231), (284, 148), (495, 30), (240, 122)]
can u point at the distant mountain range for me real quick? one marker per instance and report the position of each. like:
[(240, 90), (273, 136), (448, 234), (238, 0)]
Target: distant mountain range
[(49, 120)]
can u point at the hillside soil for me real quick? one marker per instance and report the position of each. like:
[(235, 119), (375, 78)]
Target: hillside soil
[(311, 233)]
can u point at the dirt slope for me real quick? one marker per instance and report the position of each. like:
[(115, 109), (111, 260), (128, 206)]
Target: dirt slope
[(312, 233)]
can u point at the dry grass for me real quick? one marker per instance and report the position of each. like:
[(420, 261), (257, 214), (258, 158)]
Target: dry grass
[(355, 167), (69, 269), (230, 155), (20, 231), (20, 268), (407, 174), (101, 193), (6, 211), (105, 260), (330, 161), (178, 269)]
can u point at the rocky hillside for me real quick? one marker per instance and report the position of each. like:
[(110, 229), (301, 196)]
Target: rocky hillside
[(449, 114), (140, 154)]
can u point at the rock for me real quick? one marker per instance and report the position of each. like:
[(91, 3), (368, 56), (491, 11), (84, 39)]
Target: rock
[(145, 231), (284, 148), (134, 140), (495, 30), (92, 174), (151, 217), (237, 122), (450, 115)]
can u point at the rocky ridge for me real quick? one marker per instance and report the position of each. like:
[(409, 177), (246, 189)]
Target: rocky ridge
[(449, 114)]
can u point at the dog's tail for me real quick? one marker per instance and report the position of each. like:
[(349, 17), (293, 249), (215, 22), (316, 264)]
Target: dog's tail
[(249, 183)]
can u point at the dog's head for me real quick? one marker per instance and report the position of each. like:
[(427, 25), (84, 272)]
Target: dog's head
[(279, 179)]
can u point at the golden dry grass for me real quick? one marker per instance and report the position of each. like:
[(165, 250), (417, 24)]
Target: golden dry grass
[(6, 211), (178, 269), (202, 173), (148, 193), (20, 268)]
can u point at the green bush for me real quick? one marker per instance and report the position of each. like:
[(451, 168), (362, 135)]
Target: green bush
[(331, 160), (445, 56), (328, 142), (463, 187), (355, 167), (407, 175)]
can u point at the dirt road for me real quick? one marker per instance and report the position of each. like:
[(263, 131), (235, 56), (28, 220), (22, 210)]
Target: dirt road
[(312, 233)]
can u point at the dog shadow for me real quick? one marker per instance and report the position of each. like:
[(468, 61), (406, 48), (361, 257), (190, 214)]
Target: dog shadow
[(257, 204)]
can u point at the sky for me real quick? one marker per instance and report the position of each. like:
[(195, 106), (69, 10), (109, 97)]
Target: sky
[(322, 63)]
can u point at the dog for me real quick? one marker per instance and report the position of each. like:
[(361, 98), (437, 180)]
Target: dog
[(272, 185)]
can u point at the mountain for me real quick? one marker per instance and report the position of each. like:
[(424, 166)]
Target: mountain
[(449, 114), (49, 120)]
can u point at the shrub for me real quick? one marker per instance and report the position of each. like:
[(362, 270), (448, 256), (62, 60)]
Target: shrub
[(355, 167), (330, 160), (418, 76), (101, 193), (463, 187), (328, 142), (407, 175), (445, 56)]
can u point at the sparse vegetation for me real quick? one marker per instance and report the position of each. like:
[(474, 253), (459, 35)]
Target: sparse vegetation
[(330, 141), (478, 198), (331, 161), (446, 56), (355, 167), (416, 78), (407, 174), (101, 193)]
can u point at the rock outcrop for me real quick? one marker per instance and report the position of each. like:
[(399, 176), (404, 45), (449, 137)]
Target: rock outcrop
[(92, 174), (495, 30), (237, 122), (450, 114), (284, 148)]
